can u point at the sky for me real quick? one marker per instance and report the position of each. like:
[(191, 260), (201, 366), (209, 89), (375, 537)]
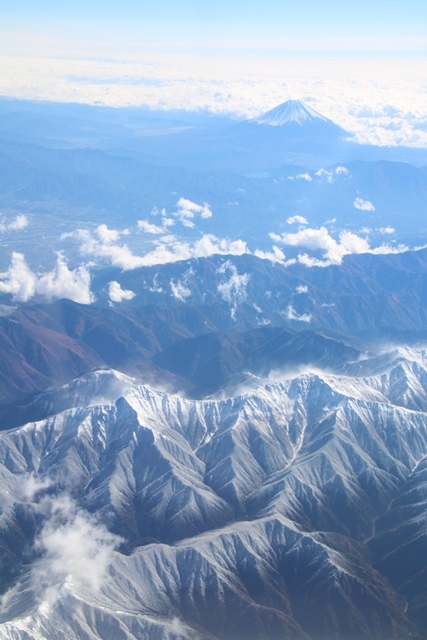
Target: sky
[(363, 64), (276, 15)]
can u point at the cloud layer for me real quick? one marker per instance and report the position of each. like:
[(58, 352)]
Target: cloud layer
[(380, 100)]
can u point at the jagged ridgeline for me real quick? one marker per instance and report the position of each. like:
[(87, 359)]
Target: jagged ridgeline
[(218, 468)]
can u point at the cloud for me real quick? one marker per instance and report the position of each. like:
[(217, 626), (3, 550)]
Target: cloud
[(19, 223), (107, 235), (179, 290), (31, 486), (332, 250), (291, 314), (388, 248), (166, 249), (18, 281), (276, 255), (363, 205), (155, 229), (156, 287), (331, 175), (387, 230), (320, 239), (304, 176), (148, 227), (382, 102), (63, 282), (342, 171), (297, 219), (73, 545), (22, 284), (233, 290), (324, 173), (187, 210), (301, 289), (117, 294)]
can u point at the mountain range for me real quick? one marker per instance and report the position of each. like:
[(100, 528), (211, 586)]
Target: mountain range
[(230, 446)]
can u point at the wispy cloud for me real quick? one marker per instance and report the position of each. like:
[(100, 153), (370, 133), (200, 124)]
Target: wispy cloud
[(187, 210), (17, 224), (180, 291), (233, 290), (276, 255), (363, 205), (291, 314), (301, 289)]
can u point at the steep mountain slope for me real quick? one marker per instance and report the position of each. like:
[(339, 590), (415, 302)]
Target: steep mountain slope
[(247, 516)]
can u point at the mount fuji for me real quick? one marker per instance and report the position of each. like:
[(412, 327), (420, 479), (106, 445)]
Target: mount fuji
[(297, 120), (290, 111)]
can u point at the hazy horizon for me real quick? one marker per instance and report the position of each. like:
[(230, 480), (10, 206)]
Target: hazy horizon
[(362, 66)]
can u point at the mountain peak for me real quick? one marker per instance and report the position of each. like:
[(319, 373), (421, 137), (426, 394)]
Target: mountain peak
[(291, 111)]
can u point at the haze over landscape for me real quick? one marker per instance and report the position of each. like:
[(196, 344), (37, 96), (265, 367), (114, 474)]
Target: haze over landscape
[(213, 321)]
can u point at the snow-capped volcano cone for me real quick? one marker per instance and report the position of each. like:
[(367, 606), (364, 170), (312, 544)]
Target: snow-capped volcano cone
[(298, 119), (290, 111)]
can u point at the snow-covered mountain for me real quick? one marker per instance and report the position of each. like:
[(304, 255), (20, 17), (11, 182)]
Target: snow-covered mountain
[(291, 111), (138, 512)]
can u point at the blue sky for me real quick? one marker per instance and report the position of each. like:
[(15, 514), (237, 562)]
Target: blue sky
[(191, 18)]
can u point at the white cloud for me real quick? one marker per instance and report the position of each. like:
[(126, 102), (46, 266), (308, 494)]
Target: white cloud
[(19, 223), (297, 219), (276, 255), (387, 230), (31, 486), (22, 284), (63, 282), (363, 205), (342, 171), (155, 229), (180, 291), (19, 281), (304, 176), (330, 175), (73, 546), (233, 290), (156, 287), (148, 227), (332, 250), (107, 235), (302, 289), (187, 210), (166, 249), (117, 294), (388, 248), (291, 314), (324, 173)]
